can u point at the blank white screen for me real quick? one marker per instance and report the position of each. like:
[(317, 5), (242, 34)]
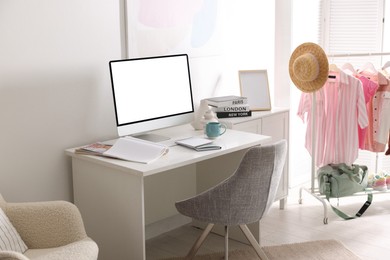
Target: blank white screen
[(151, 88)]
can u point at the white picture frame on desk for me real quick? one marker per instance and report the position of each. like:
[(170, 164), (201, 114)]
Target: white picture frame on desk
[(254, 86)]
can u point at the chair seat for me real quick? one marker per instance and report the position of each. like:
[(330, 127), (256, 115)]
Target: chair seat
[(81, 250)]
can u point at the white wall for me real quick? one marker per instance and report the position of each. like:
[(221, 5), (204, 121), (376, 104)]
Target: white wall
[(283, 50), (249, 41), (55, 90)]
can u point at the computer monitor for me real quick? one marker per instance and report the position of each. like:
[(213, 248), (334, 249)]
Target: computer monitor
[(151, 93)]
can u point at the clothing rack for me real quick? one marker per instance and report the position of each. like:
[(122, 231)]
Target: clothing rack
[(341, 55), (312, 189)]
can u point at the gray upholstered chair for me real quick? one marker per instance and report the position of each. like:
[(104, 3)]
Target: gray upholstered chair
[(243, 198)]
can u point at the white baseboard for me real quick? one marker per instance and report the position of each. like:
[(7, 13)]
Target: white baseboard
[(166, 225)]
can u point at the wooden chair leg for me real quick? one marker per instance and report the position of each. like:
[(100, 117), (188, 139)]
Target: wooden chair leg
[(226, 242), (252, 240), (191, 254)]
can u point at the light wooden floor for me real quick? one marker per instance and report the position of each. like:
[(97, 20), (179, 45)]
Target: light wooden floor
[(368, 236)]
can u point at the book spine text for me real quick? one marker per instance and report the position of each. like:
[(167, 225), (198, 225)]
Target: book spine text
[(239, 108), (233, 114)]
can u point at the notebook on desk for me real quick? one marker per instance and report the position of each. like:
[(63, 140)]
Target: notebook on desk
[(136, 150), (198, 143)]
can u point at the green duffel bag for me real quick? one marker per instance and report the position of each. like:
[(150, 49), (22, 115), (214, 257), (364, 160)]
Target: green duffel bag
[(339, 180)]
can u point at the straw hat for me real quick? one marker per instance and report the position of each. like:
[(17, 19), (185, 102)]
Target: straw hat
[(309, 67)]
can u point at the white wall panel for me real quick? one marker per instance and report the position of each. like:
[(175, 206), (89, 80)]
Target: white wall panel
[(55, 90)]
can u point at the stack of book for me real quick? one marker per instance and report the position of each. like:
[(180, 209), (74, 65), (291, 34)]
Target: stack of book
[(230, 106)]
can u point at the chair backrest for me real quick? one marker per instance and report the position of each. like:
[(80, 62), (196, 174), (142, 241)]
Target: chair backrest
[(2, 202), (253, 186)]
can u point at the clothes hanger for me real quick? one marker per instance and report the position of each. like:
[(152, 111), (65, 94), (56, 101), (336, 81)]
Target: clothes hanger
[(348, 66), (387, 64), (368, 66), (333, 67)]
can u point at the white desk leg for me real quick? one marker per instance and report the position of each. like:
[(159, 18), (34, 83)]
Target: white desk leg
[(111, 203)]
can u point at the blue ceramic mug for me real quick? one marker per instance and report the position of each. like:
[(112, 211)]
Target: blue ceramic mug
[(215, 129)]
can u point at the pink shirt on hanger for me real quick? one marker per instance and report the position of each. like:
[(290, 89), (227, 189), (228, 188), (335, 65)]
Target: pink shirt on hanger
[(340, 109), (374, 109), (369, 89), (305, 113)]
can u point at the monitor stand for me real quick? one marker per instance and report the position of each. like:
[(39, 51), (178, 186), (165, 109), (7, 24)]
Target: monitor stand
[(152, 137)]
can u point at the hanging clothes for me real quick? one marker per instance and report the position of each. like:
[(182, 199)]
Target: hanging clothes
[(382, 102), (340, 108), (387, 76), (369, 90), (305, 113), (388, 147), (375, 139)]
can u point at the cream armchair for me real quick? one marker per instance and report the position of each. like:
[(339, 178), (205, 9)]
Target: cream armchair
[(51, 230)]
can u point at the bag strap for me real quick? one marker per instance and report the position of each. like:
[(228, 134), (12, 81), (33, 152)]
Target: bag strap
[(358, 214), (352, 173), (339, 212)]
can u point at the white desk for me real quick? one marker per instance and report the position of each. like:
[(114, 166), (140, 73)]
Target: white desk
[(112, 194)]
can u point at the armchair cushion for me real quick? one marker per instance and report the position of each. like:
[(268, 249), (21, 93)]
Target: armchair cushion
[(12, 255), (9, 237), (47, 224), (50, 230), (85, 249)]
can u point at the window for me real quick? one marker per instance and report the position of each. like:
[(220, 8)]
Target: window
[(353, 26)]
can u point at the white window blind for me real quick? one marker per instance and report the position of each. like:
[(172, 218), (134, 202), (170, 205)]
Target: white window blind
[(353, 26), (386, 30)]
